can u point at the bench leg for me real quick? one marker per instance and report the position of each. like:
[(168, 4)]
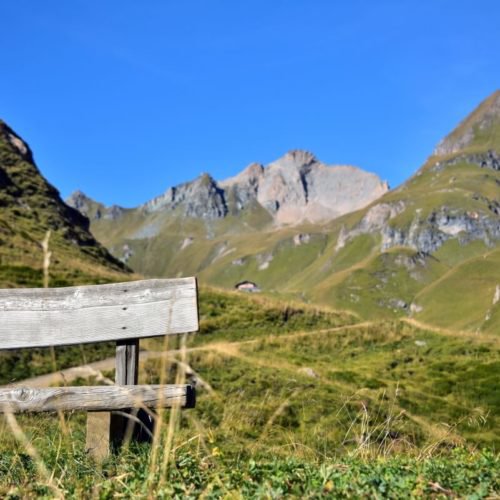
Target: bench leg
[(122, 428), (97, 443), (112, 430)]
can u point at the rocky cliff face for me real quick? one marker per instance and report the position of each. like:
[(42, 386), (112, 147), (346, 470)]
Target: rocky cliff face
[(426, 233), (298, 188), (293, 189), (201, 198), (92, 209)]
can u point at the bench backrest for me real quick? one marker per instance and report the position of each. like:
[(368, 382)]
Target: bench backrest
[(82, 314), (124, 312)]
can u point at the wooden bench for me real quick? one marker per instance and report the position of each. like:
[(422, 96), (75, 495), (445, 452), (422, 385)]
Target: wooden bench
[(121, 312)]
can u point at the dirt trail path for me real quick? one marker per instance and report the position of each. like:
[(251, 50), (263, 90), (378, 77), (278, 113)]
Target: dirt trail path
[(473, 336), (96, 368)]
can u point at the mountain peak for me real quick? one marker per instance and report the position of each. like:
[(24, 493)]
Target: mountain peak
[(297, 158), (479, 131), (295, 188), (78, 199)]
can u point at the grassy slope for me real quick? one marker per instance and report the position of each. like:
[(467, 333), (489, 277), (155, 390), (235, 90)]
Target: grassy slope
[(29, 207), (286, 387), (462, 298), (483, 137), (390, 369)]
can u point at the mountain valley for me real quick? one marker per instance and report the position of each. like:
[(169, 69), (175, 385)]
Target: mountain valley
[(336, 235)]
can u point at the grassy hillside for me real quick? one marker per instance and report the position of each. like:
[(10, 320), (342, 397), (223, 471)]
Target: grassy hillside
[(478, 132), (292, 400), (29, 208)]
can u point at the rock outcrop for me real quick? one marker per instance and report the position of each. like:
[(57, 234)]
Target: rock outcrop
[(298, 187), (293, 189), (490, 159), (201, 198), (475, 144), (424, 234), (92, 209)]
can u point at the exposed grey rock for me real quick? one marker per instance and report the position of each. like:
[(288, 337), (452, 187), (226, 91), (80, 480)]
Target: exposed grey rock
[(375, 220), (496, 295), (397, 304), (127, 252), (80, 201), (298, 188), (306, 370), (490, 160), (415, 308), (22, 149), (443, 224), (264, 260), (113, 212), (425, 235), (92, 209), (201, 198), (187, 241), (293, 189), (222, 250), (241, 191), (411, 262)]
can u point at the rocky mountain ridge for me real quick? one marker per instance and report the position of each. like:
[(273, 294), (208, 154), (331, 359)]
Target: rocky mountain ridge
[(294, 189)]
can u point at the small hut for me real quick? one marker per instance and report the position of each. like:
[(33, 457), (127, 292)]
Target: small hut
[(247, 286)]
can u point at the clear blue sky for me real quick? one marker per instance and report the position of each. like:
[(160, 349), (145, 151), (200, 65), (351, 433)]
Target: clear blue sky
[(123, 98)]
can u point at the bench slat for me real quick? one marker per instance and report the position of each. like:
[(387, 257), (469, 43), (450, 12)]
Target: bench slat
[(76, 315), (95, 398)]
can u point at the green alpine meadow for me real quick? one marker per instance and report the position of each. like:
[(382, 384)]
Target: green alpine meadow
[(364, 363)]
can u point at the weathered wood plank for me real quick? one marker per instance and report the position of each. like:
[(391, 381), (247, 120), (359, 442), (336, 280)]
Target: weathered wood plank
[(77, 315), (127, 362), (95, 398), (97, 437), (78, 297), (126, 373)]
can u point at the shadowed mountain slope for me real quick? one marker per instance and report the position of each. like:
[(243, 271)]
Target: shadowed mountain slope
[(29, 207)]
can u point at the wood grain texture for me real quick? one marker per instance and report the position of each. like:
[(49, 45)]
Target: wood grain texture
[(95, 398), (97, 438), (126, 373), (77, 315), (127, 362)]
